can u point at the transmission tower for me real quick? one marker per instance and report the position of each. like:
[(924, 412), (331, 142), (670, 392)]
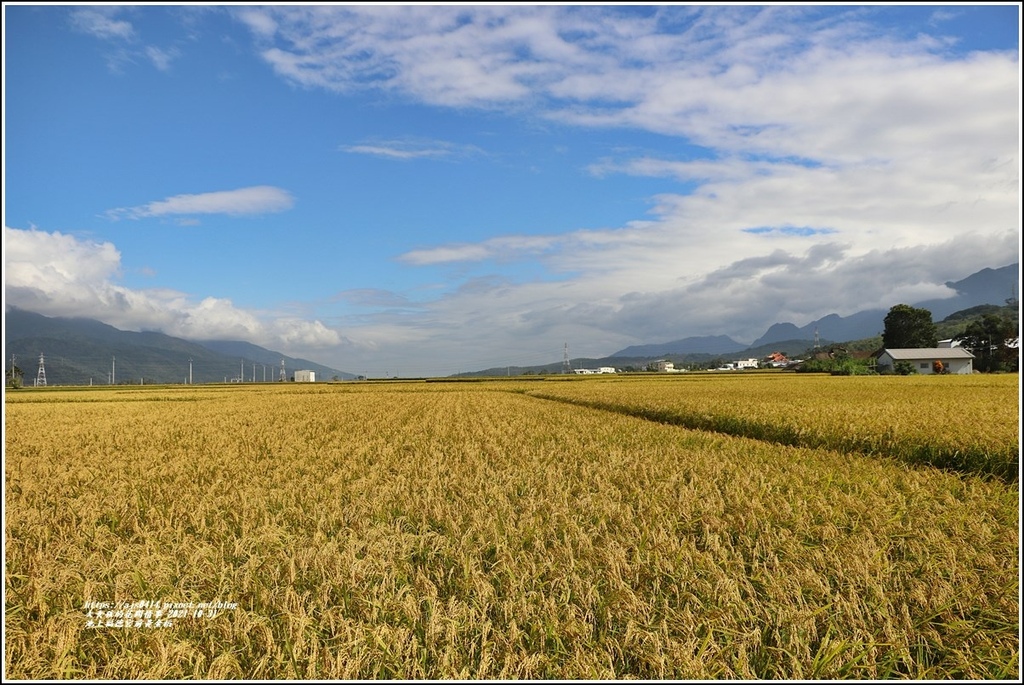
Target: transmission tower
[(281, 378), (566, 367), (41, 374)]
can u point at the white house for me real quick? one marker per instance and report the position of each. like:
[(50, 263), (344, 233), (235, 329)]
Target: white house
[(954, 359), (664, 365), (602, 369), (305, 377), (746, 364)]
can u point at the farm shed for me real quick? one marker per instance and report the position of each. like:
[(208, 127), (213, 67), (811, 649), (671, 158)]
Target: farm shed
[(305, 376), (954, 359)]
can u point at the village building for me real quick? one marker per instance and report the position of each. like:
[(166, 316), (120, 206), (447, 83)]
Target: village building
[(955, 360)]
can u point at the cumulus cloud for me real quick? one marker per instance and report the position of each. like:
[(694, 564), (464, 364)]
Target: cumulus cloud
[(244, 201), (56, 274)]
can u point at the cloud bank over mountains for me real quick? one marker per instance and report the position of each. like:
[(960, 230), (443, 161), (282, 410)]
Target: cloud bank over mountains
[(60, 275)]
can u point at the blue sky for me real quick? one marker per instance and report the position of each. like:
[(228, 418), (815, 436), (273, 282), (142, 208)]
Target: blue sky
[(422, 190)]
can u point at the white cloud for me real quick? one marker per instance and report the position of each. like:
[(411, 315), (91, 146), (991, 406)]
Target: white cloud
[(244, 201), (259, 22), (393, 152), (56, 274), (739, 79), (298, 334), (100, 23), (162, 59), (448, 253), (412, 149), (503, 247), (120, 38), (458, 55)]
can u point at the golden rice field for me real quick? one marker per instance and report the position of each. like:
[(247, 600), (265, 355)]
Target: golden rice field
[(476, 531), (965, 423)]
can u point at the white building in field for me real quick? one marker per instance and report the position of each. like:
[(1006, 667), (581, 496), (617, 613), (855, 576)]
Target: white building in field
[(664, 365), (746, 364), (305, 376), (954, 359)]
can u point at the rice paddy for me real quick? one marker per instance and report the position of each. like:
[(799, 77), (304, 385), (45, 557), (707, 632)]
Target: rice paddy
[(484, 531)]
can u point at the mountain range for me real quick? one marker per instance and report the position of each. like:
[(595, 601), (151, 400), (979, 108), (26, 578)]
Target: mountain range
[(988, 286), (81, 351)]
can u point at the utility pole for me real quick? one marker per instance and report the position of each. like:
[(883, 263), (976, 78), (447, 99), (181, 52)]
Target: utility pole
[(190, 370), (113, 366)]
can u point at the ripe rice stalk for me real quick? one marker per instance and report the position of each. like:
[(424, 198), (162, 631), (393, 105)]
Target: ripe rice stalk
[(431, 532), (967, 424)]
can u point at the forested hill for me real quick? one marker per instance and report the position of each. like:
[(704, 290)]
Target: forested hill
[(80, 351)]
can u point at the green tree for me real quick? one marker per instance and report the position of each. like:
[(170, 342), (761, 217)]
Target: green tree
[(986, 339), (909, 327), (13, 377), (904, 368)]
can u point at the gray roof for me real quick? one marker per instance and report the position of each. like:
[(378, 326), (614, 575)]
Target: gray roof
[(929, 353)]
